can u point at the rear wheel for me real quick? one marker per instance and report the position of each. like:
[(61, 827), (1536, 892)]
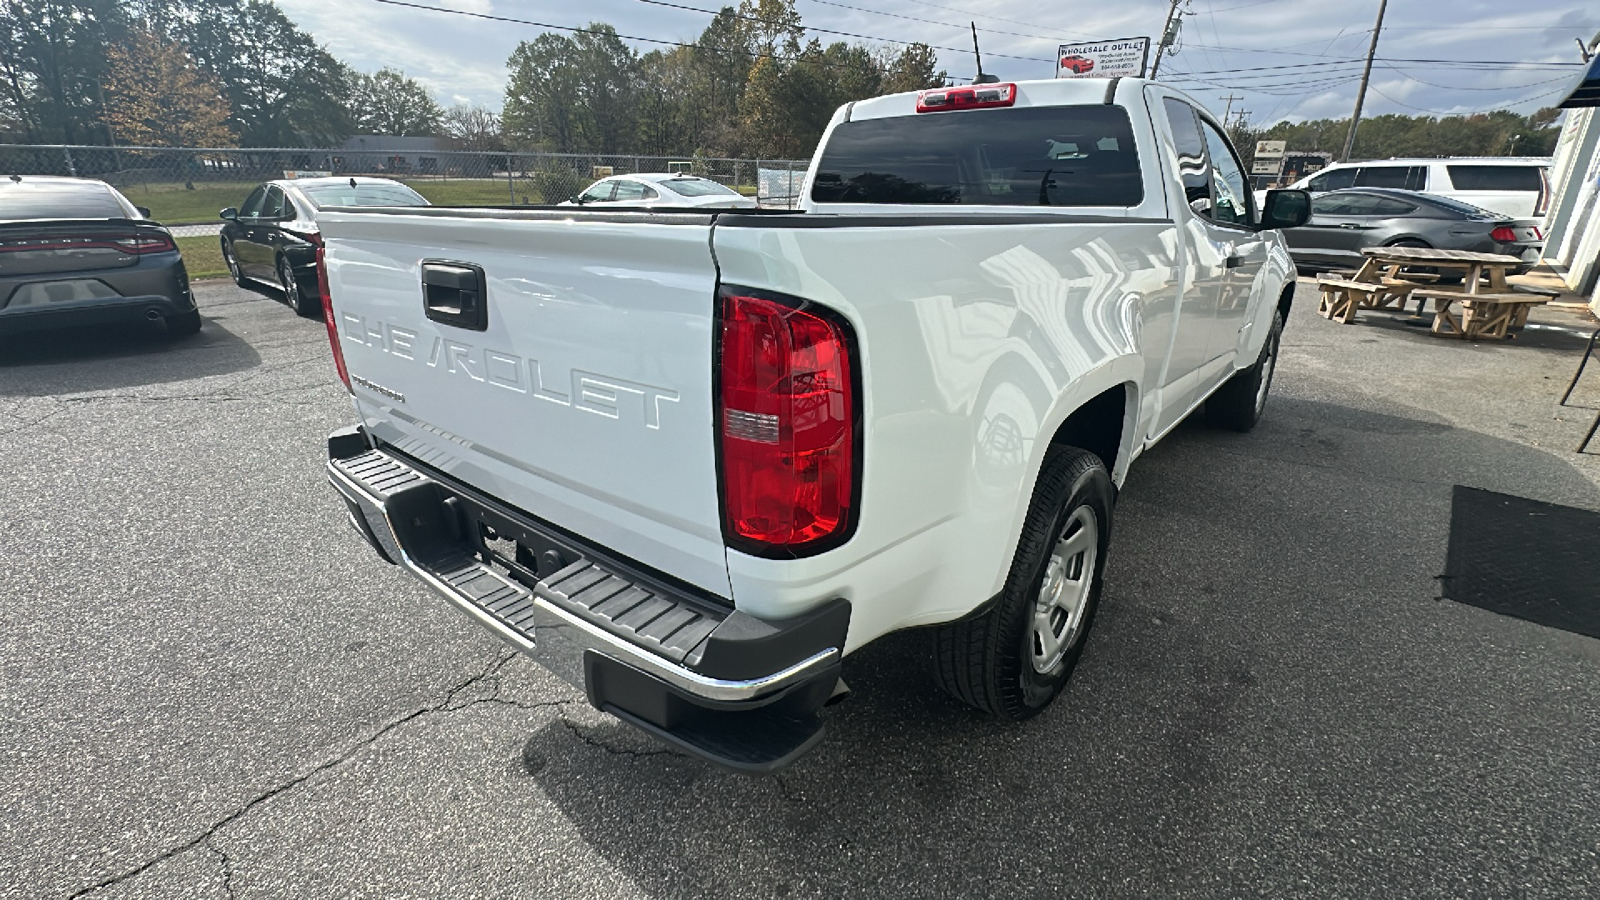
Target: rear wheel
[(297, 299), (1239, 403), (1012, 659)]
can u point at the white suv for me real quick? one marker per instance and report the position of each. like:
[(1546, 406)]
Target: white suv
[(1511, 186)]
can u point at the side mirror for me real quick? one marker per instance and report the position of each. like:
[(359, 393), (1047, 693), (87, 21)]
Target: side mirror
[(1285, 209), (143, 211), (231, 214)]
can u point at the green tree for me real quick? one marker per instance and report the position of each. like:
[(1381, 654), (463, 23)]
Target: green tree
[(52, 63), (540, 112), (284, 88), (387, 102), (915, 68)]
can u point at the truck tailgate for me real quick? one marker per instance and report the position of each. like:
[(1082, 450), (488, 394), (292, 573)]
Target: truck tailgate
[(586, 398)]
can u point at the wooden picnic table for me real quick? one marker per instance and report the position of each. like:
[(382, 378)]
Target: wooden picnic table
[(1490, 306)]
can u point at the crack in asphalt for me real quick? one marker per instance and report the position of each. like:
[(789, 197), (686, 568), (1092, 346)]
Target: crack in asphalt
[(607, 747), (447, 704), (227, 868)]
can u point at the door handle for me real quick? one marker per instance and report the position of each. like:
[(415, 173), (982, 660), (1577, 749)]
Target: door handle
[(1233, 262), (455, 294), (1350, 225)]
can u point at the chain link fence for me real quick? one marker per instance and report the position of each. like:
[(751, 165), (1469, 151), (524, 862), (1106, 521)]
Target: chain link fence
[(189, 185)]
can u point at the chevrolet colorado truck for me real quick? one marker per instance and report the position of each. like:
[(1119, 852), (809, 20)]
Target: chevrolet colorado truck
[(690, 460)]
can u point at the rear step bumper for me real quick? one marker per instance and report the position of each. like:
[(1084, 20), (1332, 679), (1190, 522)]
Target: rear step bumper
[(741, 692)]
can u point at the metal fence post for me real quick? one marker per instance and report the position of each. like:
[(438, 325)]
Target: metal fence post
[(511, 186), (72, 168)]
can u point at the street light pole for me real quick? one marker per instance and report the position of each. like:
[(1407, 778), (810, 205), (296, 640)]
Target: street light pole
[(1366, 74)]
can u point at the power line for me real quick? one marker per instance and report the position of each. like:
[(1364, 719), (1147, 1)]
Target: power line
[(1442, 112), (629, 37), (851, 34), (1453, 87), (879, 12)]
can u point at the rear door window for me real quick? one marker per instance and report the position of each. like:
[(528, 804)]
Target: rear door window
[(697, 187), (1496, 178), (1191, 150), (1032, 156)]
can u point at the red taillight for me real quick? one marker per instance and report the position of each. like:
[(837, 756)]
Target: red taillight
[(1503, 234), (978, 96), (787, 419), (327, 316), (148, 243)]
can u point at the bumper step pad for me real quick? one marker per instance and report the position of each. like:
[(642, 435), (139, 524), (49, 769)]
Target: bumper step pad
[(415, 519)]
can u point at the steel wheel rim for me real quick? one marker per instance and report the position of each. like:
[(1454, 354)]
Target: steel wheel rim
[(291, 291), (1064, 591), (1268, 366)]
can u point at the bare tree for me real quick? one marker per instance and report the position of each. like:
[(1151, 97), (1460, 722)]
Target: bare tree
[(472, 127)]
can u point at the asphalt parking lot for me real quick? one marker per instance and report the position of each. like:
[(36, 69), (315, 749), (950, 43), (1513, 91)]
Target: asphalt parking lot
[(212, 688)]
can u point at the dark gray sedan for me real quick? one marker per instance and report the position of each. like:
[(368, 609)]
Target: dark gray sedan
[(75, 251), (1344, 222)]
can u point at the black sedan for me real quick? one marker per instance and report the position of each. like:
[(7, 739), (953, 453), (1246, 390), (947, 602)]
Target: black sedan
[(75, 251), (273, 238), (1344, 222)]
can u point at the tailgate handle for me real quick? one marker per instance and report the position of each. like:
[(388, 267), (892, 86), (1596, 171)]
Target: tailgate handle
[(454, 293)]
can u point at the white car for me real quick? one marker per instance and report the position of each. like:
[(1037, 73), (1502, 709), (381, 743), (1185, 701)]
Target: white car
[(651, 189), (1511, 186), (691, 461)]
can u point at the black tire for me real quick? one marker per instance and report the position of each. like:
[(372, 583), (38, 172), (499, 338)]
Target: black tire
[(233, 264), (183, 324), (297, 299), (988, 660), (1239, 403)]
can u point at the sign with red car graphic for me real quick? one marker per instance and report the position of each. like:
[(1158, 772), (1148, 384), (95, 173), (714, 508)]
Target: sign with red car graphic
[(1125, 58)]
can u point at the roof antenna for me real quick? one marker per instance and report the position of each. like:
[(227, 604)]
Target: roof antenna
[(17, 178), (982, 78), (352, 182)]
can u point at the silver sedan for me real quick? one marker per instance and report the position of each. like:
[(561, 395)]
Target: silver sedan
[(666, 190), (1344, 222)]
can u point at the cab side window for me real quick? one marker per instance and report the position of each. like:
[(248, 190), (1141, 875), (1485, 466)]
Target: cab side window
[(1191, 150), (1409, 178), (1233, 203)]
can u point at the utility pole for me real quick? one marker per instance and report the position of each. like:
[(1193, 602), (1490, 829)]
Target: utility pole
[(1230, 98), (1169, 36), (1366, 74)]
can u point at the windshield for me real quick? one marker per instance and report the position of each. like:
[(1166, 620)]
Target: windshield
[(1044, 156), (363, 195), (697, 187)]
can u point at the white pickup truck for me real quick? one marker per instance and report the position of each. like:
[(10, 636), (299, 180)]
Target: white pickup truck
[(691, 460)]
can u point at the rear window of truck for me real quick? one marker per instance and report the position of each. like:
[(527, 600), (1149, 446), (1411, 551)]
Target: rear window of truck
[(1035, 156)]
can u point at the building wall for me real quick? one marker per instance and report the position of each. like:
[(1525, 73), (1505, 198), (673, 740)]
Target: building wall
[(1572, 228)]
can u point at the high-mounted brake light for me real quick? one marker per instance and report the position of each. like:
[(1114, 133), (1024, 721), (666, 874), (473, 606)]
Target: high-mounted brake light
[(787, 416), (977, 96), (1504, 234), (327, 316)]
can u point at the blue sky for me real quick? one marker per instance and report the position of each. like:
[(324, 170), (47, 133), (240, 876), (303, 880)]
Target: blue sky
[(1283, 58)]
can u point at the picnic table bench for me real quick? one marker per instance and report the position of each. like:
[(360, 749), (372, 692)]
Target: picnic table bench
[(1491, 308)]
